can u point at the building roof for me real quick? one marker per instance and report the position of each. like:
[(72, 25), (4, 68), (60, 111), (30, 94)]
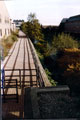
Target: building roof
[(18, 20), (74, 18), (64, 20), (3, 9)]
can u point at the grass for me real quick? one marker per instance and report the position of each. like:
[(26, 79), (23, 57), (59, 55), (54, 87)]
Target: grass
[(7, 43)]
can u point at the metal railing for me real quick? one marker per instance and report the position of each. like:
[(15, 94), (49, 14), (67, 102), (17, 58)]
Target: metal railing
[(20, 73), (39, 75), (14, 78), (10, 96)]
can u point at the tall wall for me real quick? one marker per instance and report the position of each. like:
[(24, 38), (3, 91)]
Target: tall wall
[(5, 22)]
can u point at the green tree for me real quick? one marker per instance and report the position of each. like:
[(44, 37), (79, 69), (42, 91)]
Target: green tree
[(33, 28), (31, 17), (23, 27)]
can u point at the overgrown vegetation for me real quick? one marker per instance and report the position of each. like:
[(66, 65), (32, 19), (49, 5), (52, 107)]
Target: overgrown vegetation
[(68, 68), (58, 52), (49, 77), (63, 41), (33, 30), (64, 54), (8, 42)]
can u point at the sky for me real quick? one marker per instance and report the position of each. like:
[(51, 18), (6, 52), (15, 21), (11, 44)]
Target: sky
[(49, 12)]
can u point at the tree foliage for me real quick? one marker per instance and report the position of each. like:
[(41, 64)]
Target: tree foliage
[(32, 28), (51, 51), (54, 83), (68, 68), (23, 27)]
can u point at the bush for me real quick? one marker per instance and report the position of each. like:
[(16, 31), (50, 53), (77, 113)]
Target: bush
[(8, 42), (68, 66), (49, 77), (63, 41)]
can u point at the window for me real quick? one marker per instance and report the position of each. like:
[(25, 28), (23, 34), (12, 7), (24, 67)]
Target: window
[(17, 23), (5, 32), (0, 18), (6, 20), (0, 32), (8, 31)]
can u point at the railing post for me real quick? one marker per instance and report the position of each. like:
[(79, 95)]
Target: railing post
[(20, 77), (38, 76), (40, 81)]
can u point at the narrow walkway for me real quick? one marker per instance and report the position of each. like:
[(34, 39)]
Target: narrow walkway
[(19, 64)]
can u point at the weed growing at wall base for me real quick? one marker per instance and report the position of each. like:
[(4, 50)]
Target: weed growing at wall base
[(8, 42)]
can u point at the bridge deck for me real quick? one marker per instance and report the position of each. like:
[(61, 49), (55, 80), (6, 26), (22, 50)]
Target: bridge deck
[(20, 60)]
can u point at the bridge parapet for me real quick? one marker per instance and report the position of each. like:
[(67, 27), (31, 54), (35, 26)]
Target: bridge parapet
[(39, 65)]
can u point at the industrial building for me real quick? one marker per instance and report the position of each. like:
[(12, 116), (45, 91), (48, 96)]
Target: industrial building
[(71, 25)]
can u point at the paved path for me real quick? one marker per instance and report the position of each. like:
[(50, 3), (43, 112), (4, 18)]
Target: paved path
[(19, 59)]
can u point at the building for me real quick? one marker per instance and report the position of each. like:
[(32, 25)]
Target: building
[(71, 25), (5, 22), (50, 28), (18, 23), (12, 26)]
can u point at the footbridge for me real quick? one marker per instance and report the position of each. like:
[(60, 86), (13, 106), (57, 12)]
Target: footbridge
[(22, 69)]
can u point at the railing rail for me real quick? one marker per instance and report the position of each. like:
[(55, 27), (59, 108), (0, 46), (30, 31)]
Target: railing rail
[(42, 77), (20, 74)]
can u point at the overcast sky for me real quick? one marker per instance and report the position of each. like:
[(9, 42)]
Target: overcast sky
[(49, 12)]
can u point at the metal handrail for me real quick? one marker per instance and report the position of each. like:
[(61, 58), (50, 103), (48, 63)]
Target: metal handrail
[(39, 75), (20, 75)]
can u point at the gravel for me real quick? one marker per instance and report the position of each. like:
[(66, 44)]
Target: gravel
[(57, 105)]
